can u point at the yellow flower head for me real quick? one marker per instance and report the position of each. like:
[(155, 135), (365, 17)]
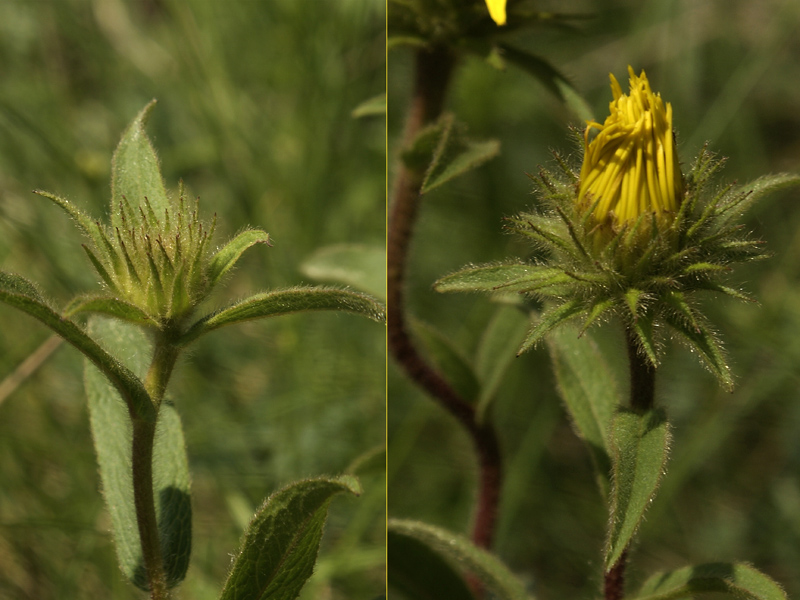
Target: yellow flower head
[(631, 168), (497, 10)]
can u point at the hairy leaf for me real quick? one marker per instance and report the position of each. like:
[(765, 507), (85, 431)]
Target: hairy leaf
[(108, 305), (111, 433), (589, 392), (699, 337), (226, 257), (283, 302), (639, 446), (135, 173), (736, 579), (487, 568), (280, 546), (484, 278), (549, 320)]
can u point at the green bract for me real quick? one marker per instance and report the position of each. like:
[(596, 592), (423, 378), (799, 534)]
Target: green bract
[(645, 272), (156, 257)]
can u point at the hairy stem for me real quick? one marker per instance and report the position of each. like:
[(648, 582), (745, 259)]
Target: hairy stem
[(433, 71), (643, 387), (164, 357)]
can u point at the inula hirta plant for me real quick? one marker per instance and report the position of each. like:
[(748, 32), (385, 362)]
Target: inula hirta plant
[(158, 263), (634, 236), (630, 235)]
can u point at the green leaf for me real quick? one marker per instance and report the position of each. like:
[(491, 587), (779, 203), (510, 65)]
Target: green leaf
[(589, 392), (642, 327), (135, 173), (226, 257), (452, 364), (280, 546), (549, 320), (22, 294), (737, 579), (108, 305), (357, 265), (84, 221), (639, 446), (460, 551), (497, 351), (372, 107), (420, 572), (111, 433), (443, 152), (699, 337), (754, 191), (284, 302), (551, 78), (484, 278)]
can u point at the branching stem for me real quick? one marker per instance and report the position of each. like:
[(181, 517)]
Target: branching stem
[(433, 71)]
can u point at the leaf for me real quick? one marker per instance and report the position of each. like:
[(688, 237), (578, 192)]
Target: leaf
[(280, 546), (284, 302), (484, 278), (111, 433), (452, 364), (496, 352), (551, 78), (371, 107), (754, 191), (418, 571), (357, 265), (737, 579), (108, 305), (639, 444), (589, 392), (226, 257), (699, 337), (135, 173), (22, 294), (455, 155), (460, 551), (84, 221), (549, 320)]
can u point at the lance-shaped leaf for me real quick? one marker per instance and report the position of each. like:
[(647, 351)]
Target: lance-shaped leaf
[(356, 265), (280, 546), (283, 302), (226, 257), (736, 579), (589, 392), (86, 224), (549, 320), (639, 446), (108, 305), (460, 551), (371, 107), (111, 433), (754, 191), (699, 337), (135, 173), (420, 572), (485, 278), (22, 294)]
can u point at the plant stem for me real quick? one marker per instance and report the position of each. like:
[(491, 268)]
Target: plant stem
[(643, 387), (433, 72), (164, 357)]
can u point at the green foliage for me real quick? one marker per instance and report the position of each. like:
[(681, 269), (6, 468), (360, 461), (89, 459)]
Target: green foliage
[(111, 432), (226, 257), (360, 266), (280, 546), (639, 447), (488, 569), (737, 580), (589, 392)]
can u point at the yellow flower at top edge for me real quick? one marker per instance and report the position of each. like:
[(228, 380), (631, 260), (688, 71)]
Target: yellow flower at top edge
[(497, 10), (631, 166)]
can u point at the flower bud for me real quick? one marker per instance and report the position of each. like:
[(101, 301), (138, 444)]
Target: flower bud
[(631, 167)]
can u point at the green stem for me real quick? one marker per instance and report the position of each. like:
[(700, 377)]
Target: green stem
[(643, 388), (164, 356)]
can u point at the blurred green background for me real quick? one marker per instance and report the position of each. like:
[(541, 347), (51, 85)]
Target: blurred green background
[(254, 114), (731, 69)]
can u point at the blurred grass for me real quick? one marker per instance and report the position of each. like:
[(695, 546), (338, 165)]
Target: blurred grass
[(732, 489), (254, 114)]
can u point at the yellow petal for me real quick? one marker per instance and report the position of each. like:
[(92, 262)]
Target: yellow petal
[(497, 10)]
